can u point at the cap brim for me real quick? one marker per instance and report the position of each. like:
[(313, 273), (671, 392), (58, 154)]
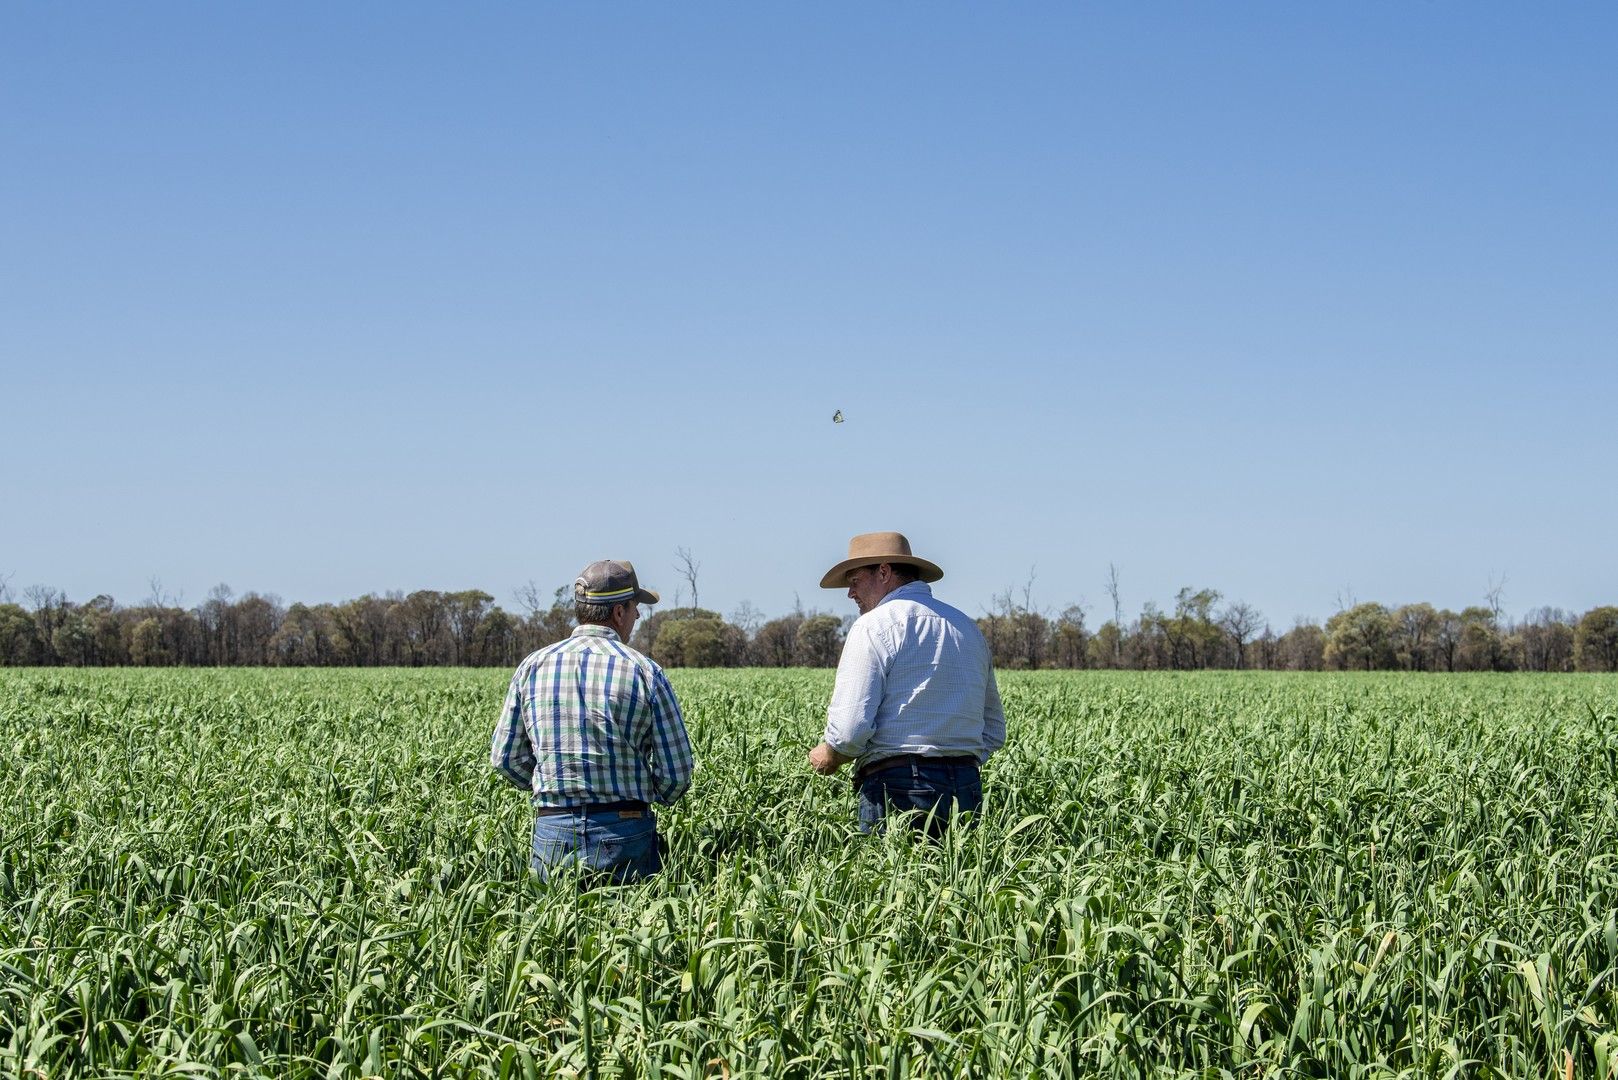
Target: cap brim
[(645, 596), (837, 576)]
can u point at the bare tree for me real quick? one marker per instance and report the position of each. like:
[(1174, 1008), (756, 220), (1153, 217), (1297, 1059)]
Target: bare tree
[(1117, 612), (44, 596), (532, 598), (5, 586), (220, 625), (1241, 621), (1493, 594), (747, 618), (158, 598), (1032, 627), (687, 568)]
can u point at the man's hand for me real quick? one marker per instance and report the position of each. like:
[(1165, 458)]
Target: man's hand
[(826, 761)]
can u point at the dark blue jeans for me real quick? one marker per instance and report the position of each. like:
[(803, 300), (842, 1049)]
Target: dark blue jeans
[(609, 844), (935, 791)]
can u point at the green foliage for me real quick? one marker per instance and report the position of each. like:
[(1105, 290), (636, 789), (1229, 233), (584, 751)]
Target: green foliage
[(1595, 642), (691, 637), (650, 626), (19, 640), (1360, 639), (818, 642), (314, 873), (700, 642), (776, 643)]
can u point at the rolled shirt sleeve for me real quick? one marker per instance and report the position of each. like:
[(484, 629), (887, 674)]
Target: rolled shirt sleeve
[(510, 752), (861, 679)]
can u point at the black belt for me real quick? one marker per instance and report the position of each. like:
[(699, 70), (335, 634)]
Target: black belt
[(593, 808), (902, 760)]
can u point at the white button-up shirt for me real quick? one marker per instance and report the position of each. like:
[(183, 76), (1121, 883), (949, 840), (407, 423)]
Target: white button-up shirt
[(915, 678)]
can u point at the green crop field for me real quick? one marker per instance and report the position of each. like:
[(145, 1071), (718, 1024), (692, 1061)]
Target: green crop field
[(314, 873)]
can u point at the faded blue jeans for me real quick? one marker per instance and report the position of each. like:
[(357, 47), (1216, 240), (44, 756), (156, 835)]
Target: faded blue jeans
[(615, 844), (935, 789)]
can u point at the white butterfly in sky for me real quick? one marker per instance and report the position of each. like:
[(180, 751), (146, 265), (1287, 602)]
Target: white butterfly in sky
[(837, 417)]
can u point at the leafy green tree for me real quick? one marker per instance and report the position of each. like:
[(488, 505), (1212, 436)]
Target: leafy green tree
[(1303, 648), (651, 626), (713, 643), (1150, 647), (146, 646), (105, 622), (704, 641), (1267, 650), (73, 640), (19, 641), (819, 641), (1192, 636), (1105, 647), (361, 631), (1069, 640), (304, 638), (776, 643), (1360, 639), (1479, 648), (1595, 642), (497, 641)]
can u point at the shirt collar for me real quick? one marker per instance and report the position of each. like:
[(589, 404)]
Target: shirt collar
[(907, 591), (594, 630)]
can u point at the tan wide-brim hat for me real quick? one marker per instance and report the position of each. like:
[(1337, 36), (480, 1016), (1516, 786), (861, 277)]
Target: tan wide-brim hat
[(873, 549)]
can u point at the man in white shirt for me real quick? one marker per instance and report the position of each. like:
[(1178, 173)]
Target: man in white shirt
[(915, 705)]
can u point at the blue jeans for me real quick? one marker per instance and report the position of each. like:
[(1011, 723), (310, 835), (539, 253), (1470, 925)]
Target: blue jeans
[(936, 791), (615, 844)]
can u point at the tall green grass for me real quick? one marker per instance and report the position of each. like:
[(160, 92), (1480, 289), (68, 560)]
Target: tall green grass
[(315, 874)]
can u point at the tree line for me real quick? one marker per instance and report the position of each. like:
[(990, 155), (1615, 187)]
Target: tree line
[(467, 628)]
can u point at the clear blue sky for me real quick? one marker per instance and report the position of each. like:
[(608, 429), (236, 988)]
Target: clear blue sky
[(1288, 300)]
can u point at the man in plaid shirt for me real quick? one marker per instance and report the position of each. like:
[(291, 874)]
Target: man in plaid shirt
[(592, 729)]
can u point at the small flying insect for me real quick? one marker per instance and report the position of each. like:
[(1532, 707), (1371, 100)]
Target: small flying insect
[(837, 417)]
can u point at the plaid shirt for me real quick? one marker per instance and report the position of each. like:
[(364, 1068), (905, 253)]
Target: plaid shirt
[(591, 720)]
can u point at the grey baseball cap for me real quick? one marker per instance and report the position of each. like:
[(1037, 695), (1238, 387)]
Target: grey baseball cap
[(611, 581)]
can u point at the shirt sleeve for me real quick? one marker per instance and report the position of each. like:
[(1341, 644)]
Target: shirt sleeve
[(670, 758), (510, 752), (994, 718), (862, 674)]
